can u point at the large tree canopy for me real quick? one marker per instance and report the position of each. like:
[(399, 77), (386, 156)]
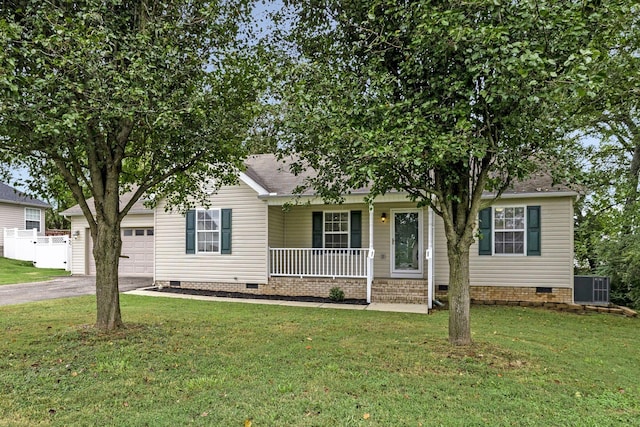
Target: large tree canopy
[(609, 218), (441, 99), (113, 95)]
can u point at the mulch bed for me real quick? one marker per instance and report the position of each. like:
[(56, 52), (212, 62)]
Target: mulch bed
[(225, 294)]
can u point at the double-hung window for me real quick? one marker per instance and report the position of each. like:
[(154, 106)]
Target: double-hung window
[(32, 218), (336, 230), (208, 230), (509, 230)]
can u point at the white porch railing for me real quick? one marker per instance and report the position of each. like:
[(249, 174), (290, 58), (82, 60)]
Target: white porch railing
[(309, 262)]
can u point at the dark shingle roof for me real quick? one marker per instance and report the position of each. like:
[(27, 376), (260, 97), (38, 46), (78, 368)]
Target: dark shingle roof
[(137, 208), (275, 176), (539, 182), (11, 195)]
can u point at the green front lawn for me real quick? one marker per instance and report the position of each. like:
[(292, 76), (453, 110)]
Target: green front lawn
[(184, 362), (15, 271)]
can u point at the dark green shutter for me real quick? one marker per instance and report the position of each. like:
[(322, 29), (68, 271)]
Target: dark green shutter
[(316, 232), (484, 245), (356, 229), (191, 232), (225, 232), (533, 231)]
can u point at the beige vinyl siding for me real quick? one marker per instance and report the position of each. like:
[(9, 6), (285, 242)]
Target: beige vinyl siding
[(13, 216), (298, 228), (298, 225), (276, 227), (553, 268), (80, 245), (247, 262)]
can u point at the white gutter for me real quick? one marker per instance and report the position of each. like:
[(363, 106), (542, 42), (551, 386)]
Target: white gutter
[(371, 255), (531, 195), (275, 199)]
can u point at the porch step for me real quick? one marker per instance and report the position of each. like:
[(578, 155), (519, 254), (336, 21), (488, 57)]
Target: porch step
[(398, 299), (402, 291)]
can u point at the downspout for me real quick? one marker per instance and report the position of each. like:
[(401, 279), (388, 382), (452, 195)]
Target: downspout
[(371, 255), (429, 256), (155, 227)]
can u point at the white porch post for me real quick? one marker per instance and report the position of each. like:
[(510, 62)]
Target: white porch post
[(429, 256), (370, 256)]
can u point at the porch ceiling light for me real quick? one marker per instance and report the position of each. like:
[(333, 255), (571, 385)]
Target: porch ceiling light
[(383, 217)]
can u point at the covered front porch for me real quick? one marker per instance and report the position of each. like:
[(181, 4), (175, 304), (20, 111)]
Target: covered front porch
[(381, 252)]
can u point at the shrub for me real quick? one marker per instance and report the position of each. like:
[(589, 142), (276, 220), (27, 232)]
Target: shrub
[(336, 294)]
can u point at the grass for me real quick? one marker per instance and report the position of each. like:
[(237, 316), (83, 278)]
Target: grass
[(182, 362), (16, 271)]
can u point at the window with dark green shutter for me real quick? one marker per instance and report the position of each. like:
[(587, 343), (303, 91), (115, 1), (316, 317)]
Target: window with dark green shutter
[(356, 229), (208, 231), (510, 230), (316, 232), (533, 231), (484, 225), (191, 232), (333, 230), (225, 243)]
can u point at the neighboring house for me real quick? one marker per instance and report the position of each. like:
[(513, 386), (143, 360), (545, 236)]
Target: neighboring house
[(18, 210), (254, 238)]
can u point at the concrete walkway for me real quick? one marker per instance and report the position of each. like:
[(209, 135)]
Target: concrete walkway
[(400, 308)]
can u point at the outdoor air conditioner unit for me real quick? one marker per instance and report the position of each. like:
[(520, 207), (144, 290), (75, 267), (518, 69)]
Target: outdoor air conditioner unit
[(591, 290)]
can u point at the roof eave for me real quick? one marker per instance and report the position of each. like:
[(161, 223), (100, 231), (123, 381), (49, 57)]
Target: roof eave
[(275, 199), (532, 194), (262, 192), (30, 204)]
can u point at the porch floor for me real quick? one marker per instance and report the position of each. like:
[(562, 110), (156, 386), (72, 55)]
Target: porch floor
[(375, 306)]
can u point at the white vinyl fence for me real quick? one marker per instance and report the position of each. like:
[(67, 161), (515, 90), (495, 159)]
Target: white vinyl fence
[(43, 251)]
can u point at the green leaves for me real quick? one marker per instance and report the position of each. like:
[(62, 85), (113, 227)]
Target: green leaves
[(440, 99), (77, 71), (434, 80), (109, 96)]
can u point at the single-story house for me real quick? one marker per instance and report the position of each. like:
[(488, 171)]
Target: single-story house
[(21, 211), (252, 239)]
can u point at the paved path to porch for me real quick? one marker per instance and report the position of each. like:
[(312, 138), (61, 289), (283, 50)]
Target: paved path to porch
[(400, 308)]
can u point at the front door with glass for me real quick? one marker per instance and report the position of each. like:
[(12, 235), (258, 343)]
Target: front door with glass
[(406, 243)]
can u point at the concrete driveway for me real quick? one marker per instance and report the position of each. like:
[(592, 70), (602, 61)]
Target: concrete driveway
[(63, 287)]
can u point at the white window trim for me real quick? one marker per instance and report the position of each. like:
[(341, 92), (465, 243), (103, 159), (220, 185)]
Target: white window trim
[(39, 220), (324, 233), (219, 231), (493, 231)]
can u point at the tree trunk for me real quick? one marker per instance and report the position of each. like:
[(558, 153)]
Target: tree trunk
[(633, 176), (459, 300), (106, 252)]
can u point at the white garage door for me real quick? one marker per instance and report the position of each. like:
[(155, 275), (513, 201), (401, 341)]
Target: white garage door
[(136, 257)]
